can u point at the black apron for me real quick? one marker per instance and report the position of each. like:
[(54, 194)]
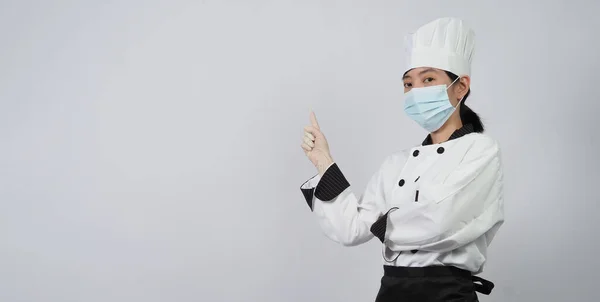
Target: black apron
[(430, 284)]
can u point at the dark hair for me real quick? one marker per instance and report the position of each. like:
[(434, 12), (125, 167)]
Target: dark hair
[(467, 116)]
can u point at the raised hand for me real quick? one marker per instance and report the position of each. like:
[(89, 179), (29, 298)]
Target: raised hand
[(315, 145)]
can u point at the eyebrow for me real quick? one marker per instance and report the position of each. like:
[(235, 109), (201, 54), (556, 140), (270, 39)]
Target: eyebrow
[(420, 73)]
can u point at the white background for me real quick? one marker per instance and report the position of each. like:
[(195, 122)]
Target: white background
[(150, 150)]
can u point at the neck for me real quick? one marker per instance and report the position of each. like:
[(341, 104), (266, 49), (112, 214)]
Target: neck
[(443, 134)]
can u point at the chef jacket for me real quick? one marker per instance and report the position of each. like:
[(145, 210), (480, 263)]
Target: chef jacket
[(435, 204)]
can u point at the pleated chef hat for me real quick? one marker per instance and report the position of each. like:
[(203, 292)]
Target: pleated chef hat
[(445, 43)]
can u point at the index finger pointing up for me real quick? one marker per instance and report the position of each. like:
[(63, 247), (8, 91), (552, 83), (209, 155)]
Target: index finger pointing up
[(313, 120)]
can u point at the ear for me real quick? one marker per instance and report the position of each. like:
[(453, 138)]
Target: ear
[(462, 87)]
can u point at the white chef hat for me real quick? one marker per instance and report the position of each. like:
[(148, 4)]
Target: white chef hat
[(445, 43)]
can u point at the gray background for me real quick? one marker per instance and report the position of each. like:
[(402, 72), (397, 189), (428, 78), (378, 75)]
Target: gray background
[(150, 150)]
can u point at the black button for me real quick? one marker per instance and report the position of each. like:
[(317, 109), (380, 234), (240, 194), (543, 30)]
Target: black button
[(416, 153), (414, 251), (440, 150), (401, 182)]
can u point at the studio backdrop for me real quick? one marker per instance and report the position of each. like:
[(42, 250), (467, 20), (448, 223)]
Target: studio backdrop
[(150, 150)]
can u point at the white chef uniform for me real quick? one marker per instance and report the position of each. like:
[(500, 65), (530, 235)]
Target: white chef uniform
[(434, 205)]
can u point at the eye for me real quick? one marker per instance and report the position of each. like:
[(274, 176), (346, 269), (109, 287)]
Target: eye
[(407, 85), (428, 80)]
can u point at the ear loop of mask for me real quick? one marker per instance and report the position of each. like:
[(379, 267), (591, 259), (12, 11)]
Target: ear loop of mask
[(452, 83), (461, 99)]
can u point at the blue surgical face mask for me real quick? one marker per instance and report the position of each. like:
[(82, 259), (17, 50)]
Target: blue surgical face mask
[(429, 106)]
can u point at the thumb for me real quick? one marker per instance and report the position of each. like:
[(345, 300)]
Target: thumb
[(313, 120)]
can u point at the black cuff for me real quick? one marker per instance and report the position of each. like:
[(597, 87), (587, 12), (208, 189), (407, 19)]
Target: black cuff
[(308, 195), (332, 184), (379, 227)]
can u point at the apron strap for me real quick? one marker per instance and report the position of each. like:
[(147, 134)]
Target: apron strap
[(485, 287)]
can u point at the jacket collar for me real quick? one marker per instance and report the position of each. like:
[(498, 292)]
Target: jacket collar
[(466, 129)]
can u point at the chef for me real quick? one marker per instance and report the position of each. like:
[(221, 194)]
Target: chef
[(435, 207)]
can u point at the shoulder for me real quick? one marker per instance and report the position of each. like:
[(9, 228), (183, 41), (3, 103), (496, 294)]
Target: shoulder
[(480, 142), (479, 148)]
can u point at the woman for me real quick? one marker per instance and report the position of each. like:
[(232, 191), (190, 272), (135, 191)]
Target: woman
[(435, 207)]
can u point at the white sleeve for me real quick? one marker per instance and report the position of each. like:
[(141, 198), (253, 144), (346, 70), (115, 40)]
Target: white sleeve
[(344, 217), (453, 208)]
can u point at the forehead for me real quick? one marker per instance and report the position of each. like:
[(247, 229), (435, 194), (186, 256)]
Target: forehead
[(416, 72)]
